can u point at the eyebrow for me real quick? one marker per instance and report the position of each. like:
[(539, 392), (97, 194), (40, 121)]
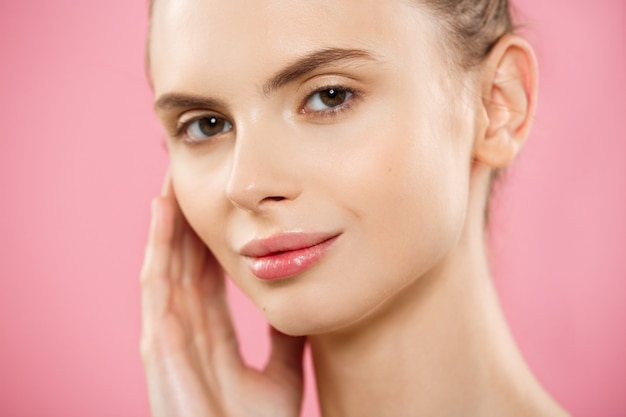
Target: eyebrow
[(311, 62), (301, 67), (175, 100)]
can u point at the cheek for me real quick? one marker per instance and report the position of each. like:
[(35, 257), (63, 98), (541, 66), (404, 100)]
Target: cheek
[(199, 188), (409, 197), (414, 173)]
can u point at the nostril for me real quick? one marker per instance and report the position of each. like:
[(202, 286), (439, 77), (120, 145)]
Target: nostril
[(274, 198)]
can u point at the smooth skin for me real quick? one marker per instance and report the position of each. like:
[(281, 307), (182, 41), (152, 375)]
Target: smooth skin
[(400, 314), (189, 346)]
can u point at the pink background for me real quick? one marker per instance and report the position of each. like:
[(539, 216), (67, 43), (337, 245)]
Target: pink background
[(81, 155)]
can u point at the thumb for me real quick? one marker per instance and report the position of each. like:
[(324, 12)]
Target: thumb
[(286, 356)]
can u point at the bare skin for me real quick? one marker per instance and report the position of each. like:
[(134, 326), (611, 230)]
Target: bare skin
[(189, 348), (400, 314)]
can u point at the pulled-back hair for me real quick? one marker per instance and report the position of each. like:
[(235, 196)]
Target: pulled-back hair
[(473, 26)]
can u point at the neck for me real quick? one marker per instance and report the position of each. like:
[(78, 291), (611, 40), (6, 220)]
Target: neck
[(442, 348)]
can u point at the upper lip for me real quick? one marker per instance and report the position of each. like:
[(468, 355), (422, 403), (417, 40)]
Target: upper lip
[(284, 242)]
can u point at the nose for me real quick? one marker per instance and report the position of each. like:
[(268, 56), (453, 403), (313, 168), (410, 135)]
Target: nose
[(263, 171)]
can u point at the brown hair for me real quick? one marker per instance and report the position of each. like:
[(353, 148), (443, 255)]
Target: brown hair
[(473, 26)]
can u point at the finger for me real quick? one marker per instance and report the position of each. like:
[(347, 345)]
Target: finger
[(167, 192), (223, 346), (176, 260), (193, 253), (154, 275), (158, 248), (285, 361), (205, 300)]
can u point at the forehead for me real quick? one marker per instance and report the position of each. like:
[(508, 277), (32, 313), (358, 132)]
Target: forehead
[(237, 39)]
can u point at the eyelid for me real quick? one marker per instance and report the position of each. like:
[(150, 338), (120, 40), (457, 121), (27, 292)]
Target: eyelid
[(185, 122), (355, 94)]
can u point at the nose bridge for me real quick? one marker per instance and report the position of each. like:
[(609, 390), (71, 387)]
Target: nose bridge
[(262, 168)]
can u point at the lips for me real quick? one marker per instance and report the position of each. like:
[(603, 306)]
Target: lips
[(287, 254)]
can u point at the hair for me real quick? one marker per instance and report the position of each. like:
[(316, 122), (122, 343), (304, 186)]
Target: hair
[(473, 27)]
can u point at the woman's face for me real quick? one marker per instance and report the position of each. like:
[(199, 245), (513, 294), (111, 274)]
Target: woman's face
[(330, 134)]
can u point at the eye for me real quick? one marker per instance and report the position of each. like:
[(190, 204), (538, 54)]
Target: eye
[(201, 128), (328, 98)]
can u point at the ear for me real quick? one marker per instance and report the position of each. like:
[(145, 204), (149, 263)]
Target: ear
[(509, 91)]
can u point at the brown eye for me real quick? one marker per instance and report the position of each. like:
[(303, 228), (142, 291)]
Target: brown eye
[(333, 97), (327, 99), (205, 127)]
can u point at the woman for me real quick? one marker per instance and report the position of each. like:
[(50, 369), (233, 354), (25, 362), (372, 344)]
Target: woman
[(335, 159)]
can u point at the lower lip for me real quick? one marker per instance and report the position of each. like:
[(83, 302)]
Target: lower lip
[(287, 264)]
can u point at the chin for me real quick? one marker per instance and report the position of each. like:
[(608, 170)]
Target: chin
[(300, 313), (303, 325), (309, 313), (296, 319)]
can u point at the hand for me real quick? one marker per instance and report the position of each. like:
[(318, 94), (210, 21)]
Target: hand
[(188, 344)]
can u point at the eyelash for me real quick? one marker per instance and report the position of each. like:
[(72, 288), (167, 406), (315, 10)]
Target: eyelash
[(183, 127), (333, 111), (182, 130)]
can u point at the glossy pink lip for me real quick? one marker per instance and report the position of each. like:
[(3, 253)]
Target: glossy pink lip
[(287, 254)]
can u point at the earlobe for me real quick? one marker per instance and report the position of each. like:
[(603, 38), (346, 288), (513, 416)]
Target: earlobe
[(509, 87)]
